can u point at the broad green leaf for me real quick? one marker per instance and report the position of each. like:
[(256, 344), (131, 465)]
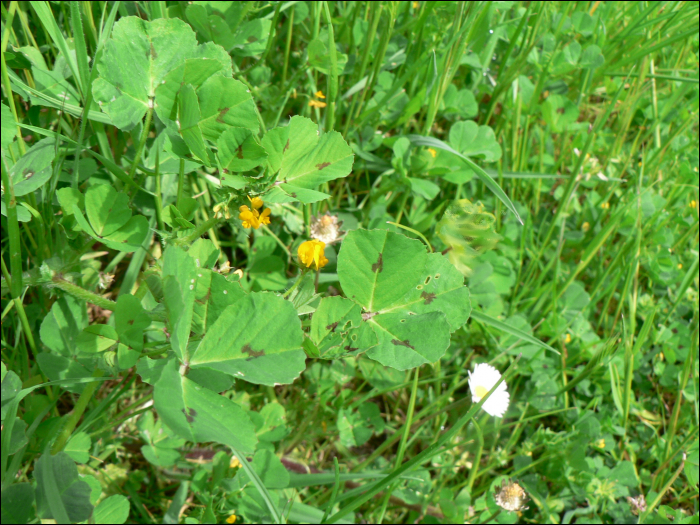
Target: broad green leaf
[(96, 338), (11, 386), (251, 38), (57, 367), (128, 238), (258, 339), (273, 422), (130, 320), (204, 252), (559, 112), (9, 127), (179, 284), (19, 436), (473, 140), (67, 197), (267, 273), (194, 71), (337, 329), (238, 150), (407, 341), (136, 59), (411, 300), (356, 427), (272, 472), (288, 193), (189, 117), (308, 159), (440, 289), (199, 415), (18, 503), (113, 509), (60, 493), (78, 447), (224, 103), (377, 268), (63, 324), (34, 168), (425, 188)]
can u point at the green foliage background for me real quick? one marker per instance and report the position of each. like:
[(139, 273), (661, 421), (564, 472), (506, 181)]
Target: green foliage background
[(517, 184)]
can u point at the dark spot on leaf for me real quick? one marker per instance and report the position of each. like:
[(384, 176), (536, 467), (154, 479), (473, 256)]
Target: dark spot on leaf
[(223, 178), (674, 330), (332, 326), (190, 414), (294, 195), (252, 353), (379, 265), (154, 55), (350, 348), (560, 111), (427, 279), (109, 211), (251, 39), (240, 151), (429, 297), (286, 146), (222, 113), (130, 321), (28, 173), (403, 343), (323, 165)]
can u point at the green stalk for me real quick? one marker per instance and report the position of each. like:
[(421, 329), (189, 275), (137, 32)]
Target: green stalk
[(82, 293), (477, 457), (332, 94), (287, 47), (71, 420), (404, 440)]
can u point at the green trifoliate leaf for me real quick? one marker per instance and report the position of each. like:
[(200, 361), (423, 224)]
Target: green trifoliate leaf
[(238, 150), (136, 60), (472, 140), (34, 168), (258, 339), (337, 329), (200, 415), (60, 493), (306, 159), (411, 299)]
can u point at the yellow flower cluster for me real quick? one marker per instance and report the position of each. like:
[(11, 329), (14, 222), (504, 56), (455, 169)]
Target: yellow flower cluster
[(317, 103), (311, 252), (252, 218)]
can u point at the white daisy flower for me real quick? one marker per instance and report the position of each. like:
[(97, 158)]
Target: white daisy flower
[(481, 381)]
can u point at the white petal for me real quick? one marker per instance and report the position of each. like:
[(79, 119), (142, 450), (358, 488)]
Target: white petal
[(497, 404)]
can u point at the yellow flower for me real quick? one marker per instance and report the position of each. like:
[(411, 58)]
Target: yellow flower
[(586, 226), (567, 339), (600, 443), (234, 462), (249, 218), (317, 104), (312, 252), (265, 216), (432, 152), (319, 94), (256, 202), (605, 205), (693, 204), (231, 519)]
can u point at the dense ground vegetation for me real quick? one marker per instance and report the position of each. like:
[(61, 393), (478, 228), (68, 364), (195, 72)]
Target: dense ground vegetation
[(250, 251)]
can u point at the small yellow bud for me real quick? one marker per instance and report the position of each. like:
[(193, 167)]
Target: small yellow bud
[(432, 152), (231, 519), (234, 462), (693, 204), (317, 104), (600, 443), (680, 266), (567, 339), (585, 226), (319, 94)]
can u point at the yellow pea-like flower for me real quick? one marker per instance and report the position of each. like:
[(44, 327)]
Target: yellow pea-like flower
[(311, 252)]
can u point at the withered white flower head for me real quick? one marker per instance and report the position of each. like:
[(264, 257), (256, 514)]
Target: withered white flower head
[(326, 228), (481, 381), (511, 496)]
